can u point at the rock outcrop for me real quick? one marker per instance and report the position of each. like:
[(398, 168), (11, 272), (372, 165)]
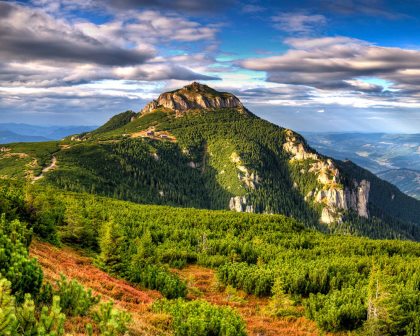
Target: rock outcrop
[(334, 196), (193, 96), (239, 204)]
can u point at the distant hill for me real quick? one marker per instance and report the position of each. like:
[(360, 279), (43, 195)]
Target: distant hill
[(197, 147), (374, 151), (11, 132), (8, 137), (407, 180)]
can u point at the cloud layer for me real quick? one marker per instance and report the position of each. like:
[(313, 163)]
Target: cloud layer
[(333, 63)]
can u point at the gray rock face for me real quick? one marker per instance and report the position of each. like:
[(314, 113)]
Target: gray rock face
[(356, 199), (239, 204), (363, 190), (194, 96)]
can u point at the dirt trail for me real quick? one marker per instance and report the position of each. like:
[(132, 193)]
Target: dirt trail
[(52, 166)]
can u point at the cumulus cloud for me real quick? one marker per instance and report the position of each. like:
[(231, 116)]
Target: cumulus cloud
[(40, 50), (298, 22), (28, 34), (340, 63)]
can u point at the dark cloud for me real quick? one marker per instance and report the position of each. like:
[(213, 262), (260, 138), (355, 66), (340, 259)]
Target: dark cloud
[(189, 6), (27, 34)]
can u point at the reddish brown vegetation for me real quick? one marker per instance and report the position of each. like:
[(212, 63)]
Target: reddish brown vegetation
[(74, 265), (202, 283), (254, 310)]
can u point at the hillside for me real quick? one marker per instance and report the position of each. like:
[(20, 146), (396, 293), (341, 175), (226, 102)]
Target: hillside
[(251, 274), (197, 147)]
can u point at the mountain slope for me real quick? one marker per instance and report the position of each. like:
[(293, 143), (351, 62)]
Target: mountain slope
[(197, 147)]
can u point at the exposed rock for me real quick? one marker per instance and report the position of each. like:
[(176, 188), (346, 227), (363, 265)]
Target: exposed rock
[(328, 216), (193, 96), (239, 204), (250, 179), (296, 146), (356, 199), (335, 197), (150, 107), (363, 198)]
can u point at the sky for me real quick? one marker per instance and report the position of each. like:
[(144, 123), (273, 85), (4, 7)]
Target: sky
[(348, 65)]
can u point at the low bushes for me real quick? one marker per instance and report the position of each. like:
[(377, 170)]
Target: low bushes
[(200, 318)]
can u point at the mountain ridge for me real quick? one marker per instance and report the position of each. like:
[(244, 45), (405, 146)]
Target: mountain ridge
[(226, 158)]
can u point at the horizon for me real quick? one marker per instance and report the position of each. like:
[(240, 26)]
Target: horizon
[(317, 66)]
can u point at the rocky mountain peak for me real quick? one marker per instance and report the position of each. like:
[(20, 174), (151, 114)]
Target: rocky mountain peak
[(192, 97)]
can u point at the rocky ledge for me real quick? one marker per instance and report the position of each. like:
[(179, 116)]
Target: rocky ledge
[(193, 96)]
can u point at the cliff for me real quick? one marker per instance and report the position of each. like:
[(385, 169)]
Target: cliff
[(334, 196)]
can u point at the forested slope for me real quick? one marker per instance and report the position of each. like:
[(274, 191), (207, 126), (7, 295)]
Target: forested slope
[(196, 147), (343, 282)]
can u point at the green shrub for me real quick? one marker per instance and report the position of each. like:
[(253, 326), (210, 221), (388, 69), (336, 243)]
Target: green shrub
[(338, 310), (157, 277), (111, 321), (24, 273), (8, 320), (51, 321), (28, 324), (200, 318), (251, 278), (74, 298)]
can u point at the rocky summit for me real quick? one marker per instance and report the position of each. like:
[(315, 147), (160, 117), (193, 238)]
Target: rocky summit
[(193, 96)]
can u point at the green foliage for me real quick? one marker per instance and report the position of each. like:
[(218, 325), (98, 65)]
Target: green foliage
[(200, 318), (74, 298), (51, 321), (8, 320), (116, 122), (338, 310), (28, 323), (260, 254), (111, 321), (157, 277), (15, 265), (252, 279)]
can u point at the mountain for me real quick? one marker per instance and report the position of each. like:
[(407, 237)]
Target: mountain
[(10, 132), (393, 157), (8, 137), (197, 147), (407, 180)]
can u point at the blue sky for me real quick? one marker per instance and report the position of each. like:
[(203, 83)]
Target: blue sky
[(311, 65)]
